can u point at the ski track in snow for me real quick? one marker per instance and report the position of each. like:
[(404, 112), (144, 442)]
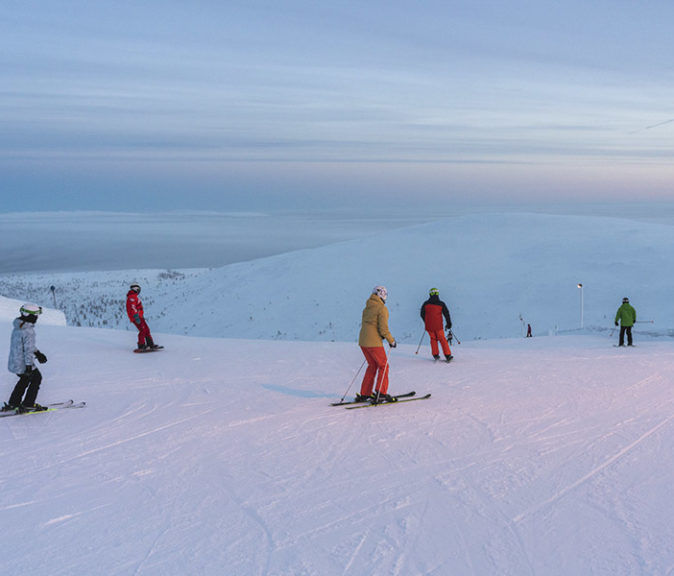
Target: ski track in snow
[(525, 461), (592, 473)]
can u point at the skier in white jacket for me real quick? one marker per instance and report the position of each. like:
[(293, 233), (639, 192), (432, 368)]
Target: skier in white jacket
[(22, 356)]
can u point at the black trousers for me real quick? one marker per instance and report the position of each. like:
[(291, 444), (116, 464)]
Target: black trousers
[(623, 329), (30, 380)]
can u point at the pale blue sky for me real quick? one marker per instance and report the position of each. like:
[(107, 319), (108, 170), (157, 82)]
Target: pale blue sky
[(249, 104)]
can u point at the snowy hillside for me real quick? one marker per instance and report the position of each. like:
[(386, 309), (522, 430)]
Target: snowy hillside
[(496, 272), (96, 299), (542, 457), (9, 309)]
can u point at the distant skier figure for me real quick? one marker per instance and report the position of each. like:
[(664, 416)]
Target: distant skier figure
[(627, 316), (432, 312), (529, 335), (374, 329), (22, 356), (134, 309)]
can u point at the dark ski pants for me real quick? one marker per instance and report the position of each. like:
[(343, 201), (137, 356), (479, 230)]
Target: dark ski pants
[(30, 380), (621, 340)]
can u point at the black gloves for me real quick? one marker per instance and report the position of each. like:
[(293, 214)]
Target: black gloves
[(393, 344), (616, 323), (41, 358)]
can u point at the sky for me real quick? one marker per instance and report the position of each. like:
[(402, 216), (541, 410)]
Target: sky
[(274, 104)]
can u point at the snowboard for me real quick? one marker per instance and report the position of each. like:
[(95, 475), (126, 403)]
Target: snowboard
[(146, 350)]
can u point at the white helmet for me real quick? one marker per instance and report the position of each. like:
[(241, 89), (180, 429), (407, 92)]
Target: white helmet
[(381, 292), (31, 310), (135, 287)]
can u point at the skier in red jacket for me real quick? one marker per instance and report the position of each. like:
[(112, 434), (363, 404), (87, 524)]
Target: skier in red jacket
[(134, 309), (432, 312)]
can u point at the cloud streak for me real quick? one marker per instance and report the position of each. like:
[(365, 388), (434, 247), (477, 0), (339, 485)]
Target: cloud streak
[(214, 87)]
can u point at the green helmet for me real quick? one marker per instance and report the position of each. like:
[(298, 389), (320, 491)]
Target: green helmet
[(434, 292)]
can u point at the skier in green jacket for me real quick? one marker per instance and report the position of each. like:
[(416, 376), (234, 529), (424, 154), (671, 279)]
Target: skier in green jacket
[(627, 316)]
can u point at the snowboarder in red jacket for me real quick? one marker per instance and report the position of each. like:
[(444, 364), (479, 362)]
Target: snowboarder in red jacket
[(432, 312), (134, 309)]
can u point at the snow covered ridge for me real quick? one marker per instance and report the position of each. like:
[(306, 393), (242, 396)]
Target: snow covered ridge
[(496, 272), (9, 309), (96, 299)]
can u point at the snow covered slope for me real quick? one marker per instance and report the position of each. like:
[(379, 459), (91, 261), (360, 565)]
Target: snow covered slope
[(496, 272), (544, 456), (490, 269), (9, 309)]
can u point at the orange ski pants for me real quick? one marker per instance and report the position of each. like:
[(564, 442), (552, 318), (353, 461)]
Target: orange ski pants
[(439, 336), (377, 365)]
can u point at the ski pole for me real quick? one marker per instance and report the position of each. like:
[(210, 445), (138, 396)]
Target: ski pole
[(644, 322), (352, 381), (420, 341), (376, 400), (455, 336)]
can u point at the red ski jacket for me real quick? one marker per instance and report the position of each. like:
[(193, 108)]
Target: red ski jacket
[(432, 312), (134, 307)]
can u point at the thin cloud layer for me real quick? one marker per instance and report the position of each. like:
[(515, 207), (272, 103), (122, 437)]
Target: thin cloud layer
[(296, 103)]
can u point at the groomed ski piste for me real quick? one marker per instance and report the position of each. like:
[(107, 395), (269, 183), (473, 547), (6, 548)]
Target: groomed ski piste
[(546, 456), (538, 456)]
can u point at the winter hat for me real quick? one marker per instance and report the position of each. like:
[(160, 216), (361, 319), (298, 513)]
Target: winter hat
[(434, 292), (30, 310), (626, 300), (135, 287), (381, 292)]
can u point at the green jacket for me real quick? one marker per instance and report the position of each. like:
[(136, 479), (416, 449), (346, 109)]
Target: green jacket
[(626, 314)]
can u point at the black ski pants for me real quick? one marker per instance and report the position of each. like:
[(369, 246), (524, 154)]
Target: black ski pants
[(621, 340), (30, 380)]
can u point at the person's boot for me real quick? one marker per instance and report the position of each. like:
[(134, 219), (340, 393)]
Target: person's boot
[(31, 408), (379, 398)]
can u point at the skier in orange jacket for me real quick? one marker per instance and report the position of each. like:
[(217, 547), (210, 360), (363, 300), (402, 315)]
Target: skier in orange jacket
[(373, 331)]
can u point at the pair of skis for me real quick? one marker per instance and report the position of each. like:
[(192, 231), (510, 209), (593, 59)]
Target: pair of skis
[(49, 408), (407, 397)]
